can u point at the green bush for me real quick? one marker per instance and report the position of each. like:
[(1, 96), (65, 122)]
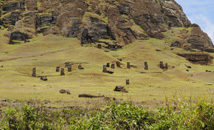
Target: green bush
[(176, 116)]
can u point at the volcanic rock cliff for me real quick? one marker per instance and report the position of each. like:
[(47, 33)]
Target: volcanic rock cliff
[(122, 21)]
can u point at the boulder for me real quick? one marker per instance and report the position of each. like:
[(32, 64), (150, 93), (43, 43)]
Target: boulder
[(62, 91), (68, 92), (44, 78)]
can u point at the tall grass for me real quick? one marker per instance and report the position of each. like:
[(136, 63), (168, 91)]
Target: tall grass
[(181, 115)]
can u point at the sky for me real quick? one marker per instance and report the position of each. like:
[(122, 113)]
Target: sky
[(200, 12)]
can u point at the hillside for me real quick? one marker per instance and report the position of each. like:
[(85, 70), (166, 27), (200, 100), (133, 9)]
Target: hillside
[(122, 21), (48, 33)]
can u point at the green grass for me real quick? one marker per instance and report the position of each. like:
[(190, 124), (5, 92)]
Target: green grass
[(47, 52)]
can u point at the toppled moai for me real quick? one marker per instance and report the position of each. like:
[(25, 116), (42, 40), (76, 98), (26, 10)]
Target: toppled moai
[(120, 89), (107, 71), (90, 96), (80, 67)]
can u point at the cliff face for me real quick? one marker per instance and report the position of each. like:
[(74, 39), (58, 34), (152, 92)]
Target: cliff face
[(92, 20)]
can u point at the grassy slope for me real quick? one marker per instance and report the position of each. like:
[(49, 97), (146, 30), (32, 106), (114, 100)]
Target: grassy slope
[(47, 52)]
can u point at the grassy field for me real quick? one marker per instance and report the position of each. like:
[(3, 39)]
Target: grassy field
[(47, 52)]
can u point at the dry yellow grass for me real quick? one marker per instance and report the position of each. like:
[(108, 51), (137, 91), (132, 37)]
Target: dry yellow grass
[(47, 52)]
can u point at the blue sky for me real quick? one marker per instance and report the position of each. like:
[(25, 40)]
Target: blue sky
[(200, 12)]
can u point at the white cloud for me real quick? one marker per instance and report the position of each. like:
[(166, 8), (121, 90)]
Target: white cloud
[(206, 24), (200, 12)]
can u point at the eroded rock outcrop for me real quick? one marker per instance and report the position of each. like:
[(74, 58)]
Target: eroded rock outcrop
[(193, 38), (18, 36), (198, 39), (197, 58), (123, 21)]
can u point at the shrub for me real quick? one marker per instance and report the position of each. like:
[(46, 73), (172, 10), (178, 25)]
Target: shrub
[(180, 115)]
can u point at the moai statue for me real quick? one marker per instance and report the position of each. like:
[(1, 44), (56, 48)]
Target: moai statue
[(104, 68), (146, 67), (99, 46), (62, 72), (67, 64), (80, 67), (108, 65), (161, 65), (69, 68), (113, 66), (127, 81), (128, 65), (166, 66), (34, 72), (118, 64), (57, 69)]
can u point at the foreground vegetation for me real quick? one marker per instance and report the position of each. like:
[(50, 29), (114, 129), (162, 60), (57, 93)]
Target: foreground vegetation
[(175, 115)]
